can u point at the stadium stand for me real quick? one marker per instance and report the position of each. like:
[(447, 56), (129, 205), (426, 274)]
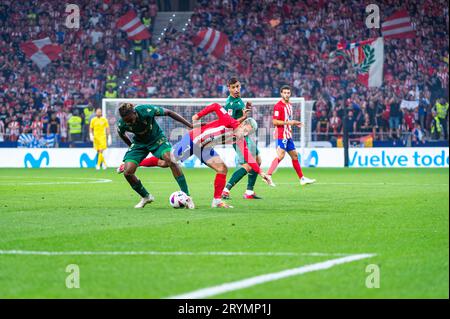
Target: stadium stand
[(272, 43)]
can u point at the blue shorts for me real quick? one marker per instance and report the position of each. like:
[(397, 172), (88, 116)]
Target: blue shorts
[(186, 148), (287, 144)]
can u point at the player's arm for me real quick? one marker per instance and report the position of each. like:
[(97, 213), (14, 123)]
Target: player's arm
[(215, 107), (124, 137), (91, 131), (283, 123), (108, 132), (248, 107), (177, 117)]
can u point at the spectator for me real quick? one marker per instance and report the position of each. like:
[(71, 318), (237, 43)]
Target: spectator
[(394, 117), (2, 131), (335, 123), (63, 118), (367, 126), (37, 127), (323, 126), (436, 127), (87, 115), (418, 134), (350, 123), (54, 126), (13, 129), (75, 127), (408, 120), (442, 114)]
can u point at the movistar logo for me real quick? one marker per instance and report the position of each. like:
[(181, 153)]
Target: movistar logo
[(86, 161), (30, 161), (312, 160)]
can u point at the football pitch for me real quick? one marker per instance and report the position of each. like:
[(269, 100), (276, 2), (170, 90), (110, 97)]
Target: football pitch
[(354, 229)]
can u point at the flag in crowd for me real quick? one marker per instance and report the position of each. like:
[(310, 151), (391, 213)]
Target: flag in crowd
[(132, 25), (212, 41), (367, 58), (398, 26), (41, 51), (27, 140)]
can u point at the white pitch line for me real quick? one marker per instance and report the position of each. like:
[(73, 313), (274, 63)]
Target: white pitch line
[(369, 184), (162, 253), (86, 181), (253, 281)]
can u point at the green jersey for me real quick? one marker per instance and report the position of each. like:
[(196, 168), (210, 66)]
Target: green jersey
[(146, 130), (235, 107)]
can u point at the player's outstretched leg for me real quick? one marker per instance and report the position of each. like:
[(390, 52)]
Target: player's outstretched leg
[(235, 178), (277, 160), (136, 185), (298, 169), (221, 169), (146, 162), (252, 177), (179, 177)]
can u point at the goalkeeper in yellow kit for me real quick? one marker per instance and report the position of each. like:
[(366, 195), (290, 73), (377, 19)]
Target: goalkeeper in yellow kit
[(100, 134)]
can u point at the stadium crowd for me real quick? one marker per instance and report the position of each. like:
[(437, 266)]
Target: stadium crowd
[(273, 42)]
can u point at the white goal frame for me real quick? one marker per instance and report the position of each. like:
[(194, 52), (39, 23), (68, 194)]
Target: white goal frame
[(221, 101)]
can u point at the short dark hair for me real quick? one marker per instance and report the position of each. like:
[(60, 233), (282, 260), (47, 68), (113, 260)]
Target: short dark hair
[(285, 87), (125, 109), (232, 80)]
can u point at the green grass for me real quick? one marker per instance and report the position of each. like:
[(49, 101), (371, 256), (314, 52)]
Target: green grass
[(401, 215)]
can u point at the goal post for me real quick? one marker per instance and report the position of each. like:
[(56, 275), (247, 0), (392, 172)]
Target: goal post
[(262, 112)]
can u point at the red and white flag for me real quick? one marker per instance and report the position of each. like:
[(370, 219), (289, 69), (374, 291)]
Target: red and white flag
[(398, 26), (213, 42), (132, 25), (367, 59), (42, 51)]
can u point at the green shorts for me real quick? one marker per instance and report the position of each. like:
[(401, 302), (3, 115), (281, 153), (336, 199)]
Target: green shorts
[(137, 152), (251, 147)]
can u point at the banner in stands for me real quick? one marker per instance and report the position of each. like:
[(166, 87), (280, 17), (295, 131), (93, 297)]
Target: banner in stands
[(317, 157)]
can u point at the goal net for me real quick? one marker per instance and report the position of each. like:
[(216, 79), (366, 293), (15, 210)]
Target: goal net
[(262, 112)]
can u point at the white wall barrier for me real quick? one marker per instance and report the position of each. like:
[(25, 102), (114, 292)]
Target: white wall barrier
[(318, 157)]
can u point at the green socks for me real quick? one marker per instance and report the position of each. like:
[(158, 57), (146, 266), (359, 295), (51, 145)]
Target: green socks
[(140, 189), (252, 177), (237, 176), (181, 180)]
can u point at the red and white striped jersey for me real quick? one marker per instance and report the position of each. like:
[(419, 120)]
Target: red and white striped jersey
[(221, 131), (63, 117), (283, 112), (14, 128), (37, 128)]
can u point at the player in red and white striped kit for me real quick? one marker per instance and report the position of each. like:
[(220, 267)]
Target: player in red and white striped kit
[(201, 141), (282, 119)]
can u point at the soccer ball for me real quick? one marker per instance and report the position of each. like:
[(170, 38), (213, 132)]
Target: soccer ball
[(178, 200)]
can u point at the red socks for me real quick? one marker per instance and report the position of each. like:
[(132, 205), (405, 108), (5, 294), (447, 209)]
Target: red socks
[(219, 185), (149, 162), (297, 168), (273, 166)]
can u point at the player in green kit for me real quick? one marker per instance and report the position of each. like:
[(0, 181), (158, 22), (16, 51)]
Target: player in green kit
[(239, 111), (148, 137)]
